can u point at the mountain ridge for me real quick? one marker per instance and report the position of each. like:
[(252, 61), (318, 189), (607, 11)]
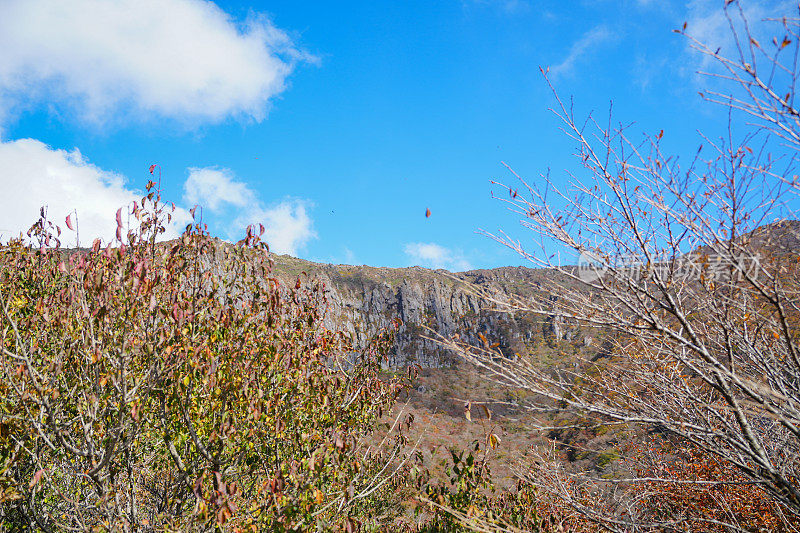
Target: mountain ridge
[(362, 300)]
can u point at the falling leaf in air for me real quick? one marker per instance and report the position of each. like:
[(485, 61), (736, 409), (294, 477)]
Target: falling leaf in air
[(69, 222), (427, 213), (152, 168), (36, 477)]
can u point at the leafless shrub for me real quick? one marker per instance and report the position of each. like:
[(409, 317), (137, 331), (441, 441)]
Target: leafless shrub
[(699, 306)]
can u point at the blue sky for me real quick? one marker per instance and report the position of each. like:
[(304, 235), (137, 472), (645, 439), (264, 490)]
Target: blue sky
[(337, 124)]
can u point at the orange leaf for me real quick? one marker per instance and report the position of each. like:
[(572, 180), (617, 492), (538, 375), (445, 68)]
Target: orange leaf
[(484, 340)]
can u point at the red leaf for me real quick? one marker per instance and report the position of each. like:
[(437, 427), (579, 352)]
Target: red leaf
[(119, 217), (69, 222), (261, 228), (427, 213), (152, 168), (119, 233)]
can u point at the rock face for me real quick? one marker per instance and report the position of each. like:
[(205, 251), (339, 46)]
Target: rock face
[(364, 300)]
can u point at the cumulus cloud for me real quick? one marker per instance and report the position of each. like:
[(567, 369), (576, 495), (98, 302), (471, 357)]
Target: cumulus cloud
[(288, 225), (581, 48), (179, 59), (433, 255), (213, 188), (35, 175)]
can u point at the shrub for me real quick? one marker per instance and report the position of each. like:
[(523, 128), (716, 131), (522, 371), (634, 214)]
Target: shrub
[(177, 385)]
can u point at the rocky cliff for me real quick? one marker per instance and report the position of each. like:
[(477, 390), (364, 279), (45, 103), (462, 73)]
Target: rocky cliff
[(363, 300)]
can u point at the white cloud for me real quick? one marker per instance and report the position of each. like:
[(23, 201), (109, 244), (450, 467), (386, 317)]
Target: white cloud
[(580, 48), (180, 59), (288, 226), (35, 175), (212, 188), (433, 255)]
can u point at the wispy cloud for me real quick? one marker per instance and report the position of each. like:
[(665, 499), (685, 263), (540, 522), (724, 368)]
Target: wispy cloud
[(432, 255), (707, 22), (186, 60), (36, 175), (581, 48), (288, 225)]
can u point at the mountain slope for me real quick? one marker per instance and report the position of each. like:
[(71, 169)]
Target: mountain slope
[(363, 300)]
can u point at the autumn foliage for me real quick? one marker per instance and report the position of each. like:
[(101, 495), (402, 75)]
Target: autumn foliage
[(179, 386), (701, 492)]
